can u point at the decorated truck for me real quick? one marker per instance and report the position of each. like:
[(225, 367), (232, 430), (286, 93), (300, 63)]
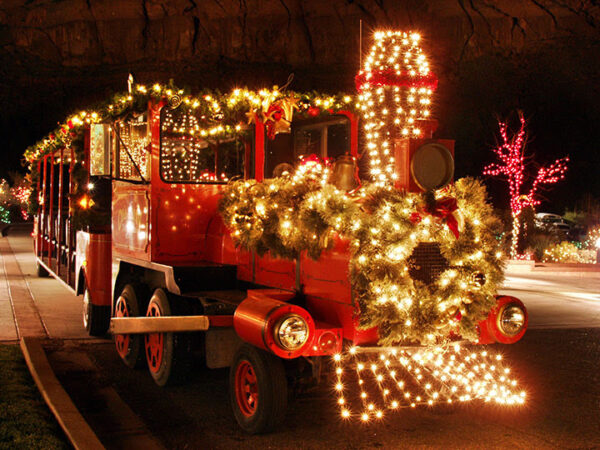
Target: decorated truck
[(249, 230)]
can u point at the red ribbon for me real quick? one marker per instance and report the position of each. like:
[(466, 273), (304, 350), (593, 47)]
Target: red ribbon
[(274, 114), (415, 217), (390, 77), (444, 209)]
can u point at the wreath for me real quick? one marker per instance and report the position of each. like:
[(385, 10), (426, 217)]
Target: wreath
[(386, 228)]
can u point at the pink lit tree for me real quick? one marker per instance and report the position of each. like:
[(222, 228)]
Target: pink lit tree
[(511, 153)]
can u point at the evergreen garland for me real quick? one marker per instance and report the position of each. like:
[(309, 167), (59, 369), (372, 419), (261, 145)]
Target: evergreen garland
[(222, 116), (296, 213)]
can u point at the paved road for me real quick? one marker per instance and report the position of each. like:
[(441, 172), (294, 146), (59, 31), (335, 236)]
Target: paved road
[(558, 300), (559, 368)]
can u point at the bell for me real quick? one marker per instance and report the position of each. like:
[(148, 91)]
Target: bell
[(344, 175)]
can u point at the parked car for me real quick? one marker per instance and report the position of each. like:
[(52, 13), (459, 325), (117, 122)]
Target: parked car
[(552, 222)]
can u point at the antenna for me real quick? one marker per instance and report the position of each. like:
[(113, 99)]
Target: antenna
[(360, 44)]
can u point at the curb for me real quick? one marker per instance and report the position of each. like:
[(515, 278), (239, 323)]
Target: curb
[(68, 416)]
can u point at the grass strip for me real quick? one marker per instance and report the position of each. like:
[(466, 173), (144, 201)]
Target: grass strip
[(25, 421)]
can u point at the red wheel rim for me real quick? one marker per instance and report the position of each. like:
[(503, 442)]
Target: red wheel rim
[(154, 342), (122, 340), (246, 388)]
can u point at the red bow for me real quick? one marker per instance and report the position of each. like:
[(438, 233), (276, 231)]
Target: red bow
[(273, 115), (444, 209)]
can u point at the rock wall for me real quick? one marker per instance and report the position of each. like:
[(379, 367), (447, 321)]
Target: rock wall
[(178, 34)]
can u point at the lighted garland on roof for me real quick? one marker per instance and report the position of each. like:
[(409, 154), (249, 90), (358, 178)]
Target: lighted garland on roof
[(301, 212), (221, 115), (218, 115)]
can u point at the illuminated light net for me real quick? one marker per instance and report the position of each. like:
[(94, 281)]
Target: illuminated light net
[(395, 87), (373, 382), (182, 148), (134, 136)]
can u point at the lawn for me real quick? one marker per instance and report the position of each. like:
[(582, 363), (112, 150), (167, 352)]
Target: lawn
[(25, 421)]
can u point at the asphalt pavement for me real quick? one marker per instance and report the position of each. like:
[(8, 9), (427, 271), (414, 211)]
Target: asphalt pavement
[(557, 300), (557, 363)]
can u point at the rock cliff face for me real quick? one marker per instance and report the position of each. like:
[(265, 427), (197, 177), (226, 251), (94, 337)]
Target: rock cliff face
[(57, 55), (295, 33)]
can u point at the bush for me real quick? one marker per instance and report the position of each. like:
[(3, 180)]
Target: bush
[(568, 252), (539, 242)]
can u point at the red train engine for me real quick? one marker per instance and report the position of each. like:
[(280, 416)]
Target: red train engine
[(157, 257)]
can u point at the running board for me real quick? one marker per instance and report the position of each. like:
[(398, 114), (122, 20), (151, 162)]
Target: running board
[(164, 324)]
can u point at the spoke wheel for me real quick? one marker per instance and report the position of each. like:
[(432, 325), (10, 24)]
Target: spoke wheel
[(257, 389), (246, 388), (129, 347), (154, 342), (167, 354)]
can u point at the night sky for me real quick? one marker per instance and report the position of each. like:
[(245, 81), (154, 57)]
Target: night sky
[(57, 57)]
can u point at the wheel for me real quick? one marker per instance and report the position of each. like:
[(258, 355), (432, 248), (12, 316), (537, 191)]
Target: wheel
[(257, 389), (167, 354), (96, 318), (41, 270), (129, 346)]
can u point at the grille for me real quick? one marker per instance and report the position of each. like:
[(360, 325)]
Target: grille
[(426, 262)]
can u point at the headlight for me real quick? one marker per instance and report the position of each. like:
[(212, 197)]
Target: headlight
[(511, 319), (292, 332)]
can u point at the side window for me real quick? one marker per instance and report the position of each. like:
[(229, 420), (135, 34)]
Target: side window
[(186, 157), (307, 141), (278, 151), (230, 159), (100, 149), (133, 152), (338, 139)]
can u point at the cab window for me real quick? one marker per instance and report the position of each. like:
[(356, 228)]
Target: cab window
[(328, 138)]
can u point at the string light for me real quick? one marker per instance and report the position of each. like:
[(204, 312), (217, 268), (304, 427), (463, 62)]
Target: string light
[(512, 166), (407, 377), (568, 252), (395, 87)]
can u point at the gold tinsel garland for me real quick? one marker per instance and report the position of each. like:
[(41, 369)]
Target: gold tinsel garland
[(301, 212)]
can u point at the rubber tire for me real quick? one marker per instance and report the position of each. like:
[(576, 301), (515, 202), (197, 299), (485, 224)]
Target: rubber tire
[(272, 390), (133, 295), (176, 359), (96, 318), (41, 271)]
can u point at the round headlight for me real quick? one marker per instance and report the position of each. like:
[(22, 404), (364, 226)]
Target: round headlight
[(511, 320), (292, 332)]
